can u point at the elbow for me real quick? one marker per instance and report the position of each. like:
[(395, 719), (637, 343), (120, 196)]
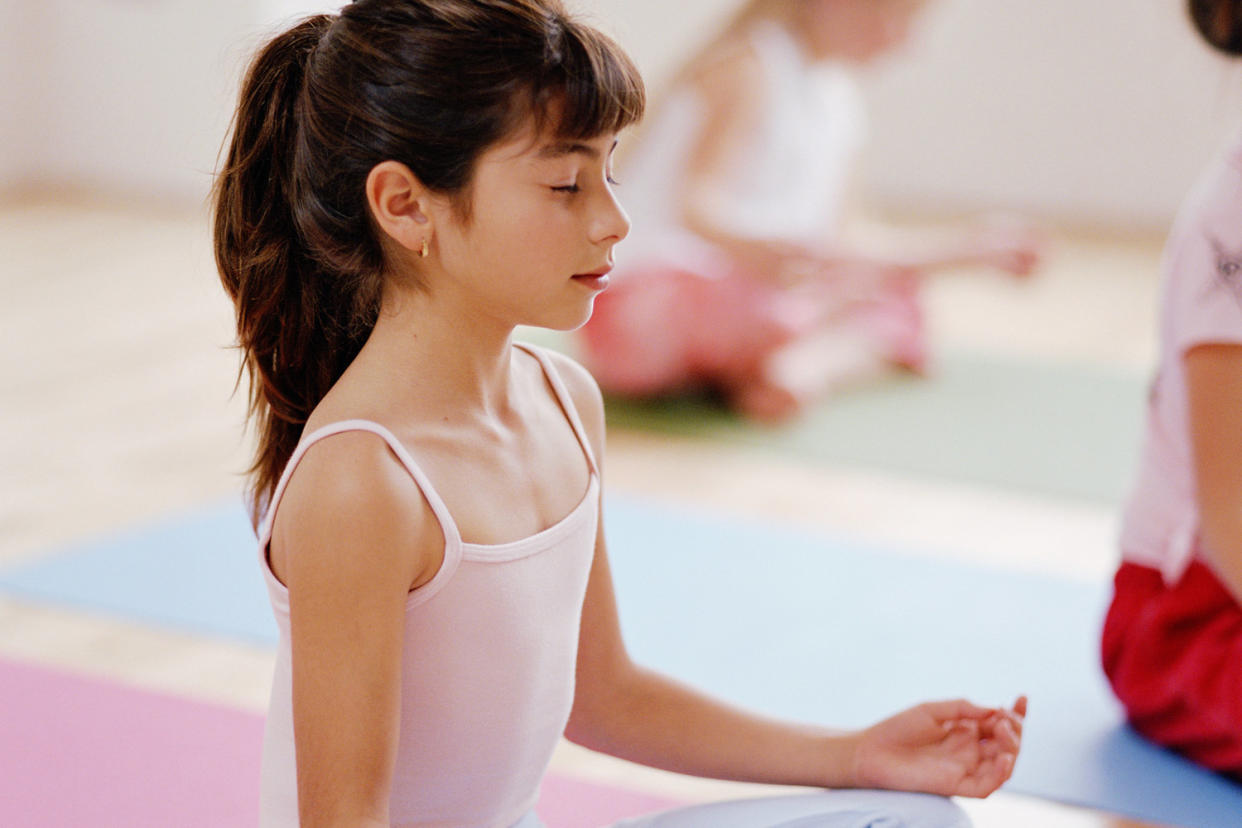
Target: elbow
[(587, 726), (601, 699), (581, 731)]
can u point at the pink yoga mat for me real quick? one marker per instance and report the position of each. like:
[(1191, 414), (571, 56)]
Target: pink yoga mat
[(76, 751)]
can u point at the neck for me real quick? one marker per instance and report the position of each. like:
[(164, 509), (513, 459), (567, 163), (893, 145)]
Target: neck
[(459, 359)]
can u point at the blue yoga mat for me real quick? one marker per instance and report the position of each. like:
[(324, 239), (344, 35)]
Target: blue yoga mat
[(797, 625)]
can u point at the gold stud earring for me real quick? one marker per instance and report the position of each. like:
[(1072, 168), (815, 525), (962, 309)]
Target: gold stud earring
[(425, 250)]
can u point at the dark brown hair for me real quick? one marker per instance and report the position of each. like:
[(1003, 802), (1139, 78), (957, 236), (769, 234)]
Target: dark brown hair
[(1219, 22), (429, 83)]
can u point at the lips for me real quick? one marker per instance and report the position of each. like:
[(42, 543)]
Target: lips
[(595, 280), (595, 274)]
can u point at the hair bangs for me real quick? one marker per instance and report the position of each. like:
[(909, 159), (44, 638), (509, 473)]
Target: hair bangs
[(592, 87)]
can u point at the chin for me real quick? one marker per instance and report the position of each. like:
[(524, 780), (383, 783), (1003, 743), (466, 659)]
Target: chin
[(565, 321)]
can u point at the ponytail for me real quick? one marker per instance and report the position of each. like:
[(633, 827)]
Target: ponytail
[(277, 288)]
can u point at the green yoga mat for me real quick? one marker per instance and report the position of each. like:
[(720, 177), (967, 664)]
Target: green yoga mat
[(1057, 429)]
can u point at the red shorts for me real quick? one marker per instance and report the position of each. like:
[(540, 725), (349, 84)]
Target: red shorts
[(1174, 657)]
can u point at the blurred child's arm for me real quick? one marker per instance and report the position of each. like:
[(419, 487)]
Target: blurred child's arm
[(730, 88), (636, 714), (731, 92), (1214, 388), (356, 534), (1005, 243)]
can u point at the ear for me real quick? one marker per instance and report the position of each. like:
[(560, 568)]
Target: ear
[(400, 204)]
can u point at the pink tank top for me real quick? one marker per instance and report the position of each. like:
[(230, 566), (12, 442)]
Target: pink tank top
[(490, 649)]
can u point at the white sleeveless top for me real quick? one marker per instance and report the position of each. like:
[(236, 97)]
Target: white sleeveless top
[(489, 656), (787, 182)]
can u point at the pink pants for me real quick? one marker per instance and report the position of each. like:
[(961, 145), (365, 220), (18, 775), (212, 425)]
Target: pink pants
[(659, 330)]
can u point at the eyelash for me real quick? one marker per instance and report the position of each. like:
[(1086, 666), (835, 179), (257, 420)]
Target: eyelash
[(574, 188)]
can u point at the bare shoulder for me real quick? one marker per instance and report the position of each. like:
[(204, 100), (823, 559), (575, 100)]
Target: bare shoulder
[(729, 75), (729, 85), (352, 509), (585, 393)]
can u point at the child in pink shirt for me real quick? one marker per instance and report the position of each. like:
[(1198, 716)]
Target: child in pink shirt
[(1172, 642)]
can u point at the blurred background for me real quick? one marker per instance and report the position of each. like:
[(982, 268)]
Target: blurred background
[(1096, 113), (116, 372), (1090, 118)]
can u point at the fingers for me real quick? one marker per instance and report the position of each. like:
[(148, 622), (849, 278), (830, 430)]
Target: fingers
[(1006, 726), (1012, 720), (947, 711), (983, 742), (970, 768), (985, 765), (1003, 740), (989, 775), (989, 739), (1007, 736)]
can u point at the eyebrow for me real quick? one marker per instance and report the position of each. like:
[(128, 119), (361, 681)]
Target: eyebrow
[(560, 150)]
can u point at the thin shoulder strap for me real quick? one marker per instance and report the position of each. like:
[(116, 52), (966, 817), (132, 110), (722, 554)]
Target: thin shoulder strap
[(452, 538), (563, 397)]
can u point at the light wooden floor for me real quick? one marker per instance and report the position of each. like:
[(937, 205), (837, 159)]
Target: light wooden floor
[(116, 409)]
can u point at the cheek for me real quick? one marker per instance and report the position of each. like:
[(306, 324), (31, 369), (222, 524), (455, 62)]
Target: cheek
[(494, 227), (524, 239)]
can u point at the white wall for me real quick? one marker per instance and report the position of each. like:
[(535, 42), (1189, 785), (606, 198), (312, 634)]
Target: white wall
[(657, 33), (1097, 110), (21, 84), (1101, 110), (129, 98)]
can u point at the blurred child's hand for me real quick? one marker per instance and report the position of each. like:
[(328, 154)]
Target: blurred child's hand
[(1009, 244), (780, 262), (952, 748)]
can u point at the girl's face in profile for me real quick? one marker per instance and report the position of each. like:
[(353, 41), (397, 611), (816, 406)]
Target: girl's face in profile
[(539, 241), (858, 31)]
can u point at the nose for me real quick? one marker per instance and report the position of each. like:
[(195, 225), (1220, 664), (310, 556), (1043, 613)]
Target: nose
[(610, 223)]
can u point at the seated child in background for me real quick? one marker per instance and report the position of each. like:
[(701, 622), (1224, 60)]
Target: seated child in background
[(1172, 641), (735, 277)]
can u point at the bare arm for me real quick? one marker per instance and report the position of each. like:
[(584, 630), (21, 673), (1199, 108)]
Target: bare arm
[(637, 714), (626, 711), (731, 91), (352, 535), (1214, 387), (1004, 243)]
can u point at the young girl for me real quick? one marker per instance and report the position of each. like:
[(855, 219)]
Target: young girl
[(737, 277), (408, 182), (1172, 641)]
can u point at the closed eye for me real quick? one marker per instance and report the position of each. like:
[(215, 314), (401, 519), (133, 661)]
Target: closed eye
[(575, 188)]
